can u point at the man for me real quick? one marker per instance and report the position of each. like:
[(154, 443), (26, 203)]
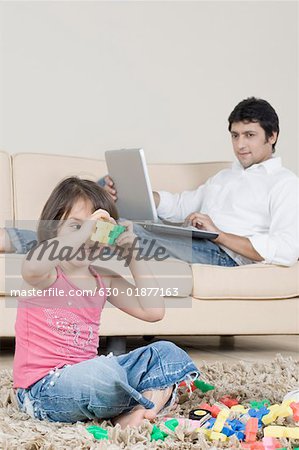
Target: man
[(254, 205)]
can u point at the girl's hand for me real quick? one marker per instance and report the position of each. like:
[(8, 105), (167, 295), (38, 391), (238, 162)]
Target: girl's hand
[(127, 238), (88, 226), (101, 214)]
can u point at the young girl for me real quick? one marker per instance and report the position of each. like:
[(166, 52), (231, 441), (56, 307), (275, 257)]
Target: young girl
[(58, 375)]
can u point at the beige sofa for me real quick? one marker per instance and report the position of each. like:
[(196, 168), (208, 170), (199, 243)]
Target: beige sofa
[(254, 299)]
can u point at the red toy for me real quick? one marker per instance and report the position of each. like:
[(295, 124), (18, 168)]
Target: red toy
[(214, 410), (228, 401)]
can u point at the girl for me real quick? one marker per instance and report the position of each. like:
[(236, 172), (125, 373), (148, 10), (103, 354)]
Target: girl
[(58, 375)]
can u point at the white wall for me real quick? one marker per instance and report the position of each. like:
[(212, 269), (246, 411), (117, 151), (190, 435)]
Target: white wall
[(83, 77)]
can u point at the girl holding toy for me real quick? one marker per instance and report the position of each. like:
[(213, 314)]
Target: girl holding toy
[(58, 375)]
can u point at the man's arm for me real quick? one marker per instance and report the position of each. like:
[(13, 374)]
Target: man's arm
[(175, 207), (237, 244)]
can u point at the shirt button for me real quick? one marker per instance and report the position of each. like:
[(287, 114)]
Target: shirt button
[(69, 303), (52, 383)]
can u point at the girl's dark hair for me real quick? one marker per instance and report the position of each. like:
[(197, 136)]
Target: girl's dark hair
[(63, 198), (256, 110)]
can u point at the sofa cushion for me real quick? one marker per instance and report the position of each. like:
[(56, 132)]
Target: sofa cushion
[(6, 210), (254, 281)]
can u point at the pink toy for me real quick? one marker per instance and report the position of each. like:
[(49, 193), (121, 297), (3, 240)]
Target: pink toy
[(251, 430), (295, 408), (270, 443), (189, 423)]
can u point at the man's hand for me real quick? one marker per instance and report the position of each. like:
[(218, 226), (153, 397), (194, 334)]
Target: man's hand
[(201, 221), (237, 244), (108, 184)]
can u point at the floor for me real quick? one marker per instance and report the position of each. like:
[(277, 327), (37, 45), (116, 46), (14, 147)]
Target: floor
[(208, 348)]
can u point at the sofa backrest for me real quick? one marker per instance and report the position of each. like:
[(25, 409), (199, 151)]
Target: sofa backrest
[(183, 176), (35, 175), (6, 207)]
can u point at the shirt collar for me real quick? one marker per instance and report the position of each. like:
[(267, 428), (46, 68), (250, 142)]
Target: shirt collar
[(270, 165)]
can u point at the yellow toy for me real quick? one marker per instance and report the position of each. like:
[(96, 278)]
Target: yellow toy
[(220, 421), (106, 232), (281, 432)]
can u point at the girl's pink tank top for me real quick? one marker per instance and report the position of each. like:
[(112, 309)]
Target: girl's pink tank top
[(58, 327)]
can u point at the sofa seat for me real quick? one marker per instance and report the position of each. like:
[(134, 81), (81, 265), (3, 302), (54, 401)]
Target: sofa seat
[(254, 281), (202, 281)]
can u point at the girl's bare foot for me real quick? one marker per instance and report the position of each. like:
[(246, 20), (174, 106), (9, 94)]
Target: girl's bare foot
[(135, 417)]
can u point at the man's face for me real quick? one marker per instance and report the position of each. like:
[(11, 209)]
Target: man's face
[(250, 143)]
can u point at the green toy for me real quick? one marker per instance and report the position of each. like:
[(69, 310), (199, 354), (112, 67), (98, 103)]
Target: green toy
[(171, 424), (106, 232), (259, 405), (113, 235), (157, 434), (204, 387), (98, 432)]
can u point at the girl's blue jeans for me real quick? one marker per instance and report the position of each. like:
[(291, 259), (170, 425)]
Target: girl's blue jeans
[(107, 386), (197, 251)]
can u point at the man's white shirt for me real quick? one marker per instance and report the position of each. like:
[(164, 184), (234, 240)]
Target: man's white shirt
[(260, 203)]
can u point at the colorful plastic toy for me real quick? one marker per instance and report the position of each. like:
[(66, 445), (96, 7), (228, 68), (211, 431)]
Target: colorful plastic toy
[(272, 415), (200, 415), (270, 443), (106, 232), (171, 424), (214, 410), (204, 387), (228, 401), (245, 427), (253, 446), (295, 408), (280, 432), (190, 424), (251, 430), (259, 414), (240, 409), (259, 405), (157, 434), (98, 432), (221, 419)]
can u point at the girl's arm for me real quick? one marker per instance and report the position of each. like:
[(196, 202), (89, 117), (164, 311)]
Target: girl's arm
[(38, 268), (143, 300)]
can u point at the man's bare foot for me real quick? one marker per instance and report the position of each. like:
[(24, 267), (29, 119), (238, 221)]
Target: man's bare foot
[(135, 417), (5, 244)]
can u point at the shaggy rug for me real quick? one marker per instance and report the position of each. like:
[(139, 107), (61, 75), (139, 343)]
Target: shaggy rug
[(245, 381)]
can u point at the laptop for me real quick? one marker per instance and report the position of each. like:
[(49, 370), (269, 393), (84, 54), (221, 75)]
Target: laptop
[(135, 200)]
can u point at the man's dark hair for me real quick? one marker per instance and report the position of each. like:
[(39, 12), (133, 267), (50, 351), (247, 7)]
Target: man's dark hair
[(254, 109), (62, 199)]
